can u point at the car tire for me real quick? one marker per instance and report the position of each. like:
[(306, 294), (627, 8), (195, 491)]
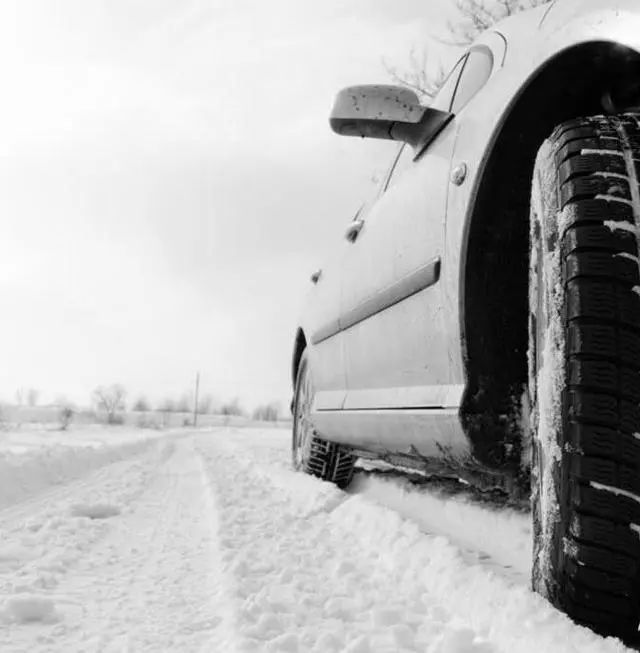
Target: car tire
[(584, 372), (310, 453)]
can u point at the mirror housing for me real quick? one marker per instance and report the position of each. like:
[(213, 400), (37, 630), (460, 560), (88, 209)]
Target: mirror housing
[(389, 112)]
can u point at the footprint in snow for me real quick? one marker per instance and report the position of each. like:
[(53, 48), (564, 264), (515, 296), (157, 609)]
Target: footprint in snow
[(95, 510), (29, 608)]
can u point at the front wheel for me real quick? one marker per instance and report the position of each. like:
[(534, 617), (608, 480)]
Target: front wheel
[(584, 372), (310, 453)]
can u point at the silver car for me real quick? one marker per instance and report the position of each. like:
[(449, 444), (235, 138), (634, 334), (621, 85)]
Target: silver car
[(481, 318)]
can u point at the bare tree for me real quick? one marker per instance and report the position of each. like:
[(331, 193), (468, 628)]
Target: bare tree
[(231, 408), (66, 411), (474, 17), (111, 400), (141, 405), (65, 416), (267, 413), (32, 397), (418, 76)]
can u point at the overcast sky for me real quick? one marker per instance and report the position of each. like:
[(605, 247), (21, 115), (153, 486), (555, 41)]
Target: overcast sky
[(169, 181)]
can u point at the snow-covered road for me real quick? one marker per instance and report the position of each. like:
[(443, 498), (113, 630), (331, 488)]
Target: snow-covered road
[(209, 542)]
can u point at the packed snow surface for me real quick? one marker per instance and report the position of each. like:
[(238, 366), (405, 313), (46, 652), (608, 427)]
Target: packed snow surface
[(208, 541)]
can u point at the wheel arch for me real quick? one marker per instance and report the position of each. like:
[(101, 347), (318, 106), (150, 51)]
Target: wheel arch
[(493, 290)]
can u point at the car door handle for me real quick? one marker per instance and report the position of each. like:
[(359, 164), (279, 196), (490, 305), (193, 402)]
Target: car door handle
[(354, 229)]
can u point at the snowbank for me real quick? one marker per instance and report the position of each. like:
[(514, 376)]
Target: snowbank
[(32, 461)]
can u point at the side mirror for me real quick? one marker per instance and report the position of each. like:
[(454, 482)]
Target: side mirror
[(390, 112)]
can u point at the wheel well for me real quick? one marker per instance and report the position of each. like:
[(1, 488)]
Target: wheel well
[(299, 346), (494, 280)]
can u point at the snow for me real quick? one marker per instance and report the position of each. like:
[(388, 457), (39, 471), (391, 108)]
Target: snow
[(501, 537), (551, 374), (26, 608), (621, 225), (615, 490), (626, 255), (34, 460), (546, 227), (37, 439), (613, 198), (208, 541), (95, 511), (586, 150), (615, 175)]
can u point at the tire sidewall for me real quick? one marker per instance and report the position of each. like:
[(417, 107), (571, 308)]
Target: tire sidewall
[(299, 461), (546, 375)]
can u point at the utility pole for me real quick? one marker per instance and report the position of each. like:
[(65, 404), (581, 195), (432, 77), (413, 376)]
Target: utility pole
[(195, 402)]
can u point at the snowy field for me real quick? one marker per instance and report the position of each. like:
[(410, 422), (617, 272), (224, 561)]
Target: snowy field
[(130, 541)]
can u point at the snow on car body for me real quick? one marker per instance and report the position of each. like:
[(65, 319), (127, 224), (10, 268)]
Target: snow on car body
[(420, 344)]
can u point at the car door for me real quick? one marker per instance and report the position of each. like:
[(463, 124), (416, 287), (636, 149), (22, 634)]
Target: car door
[(321, 312), (392, 304), (323, 318)]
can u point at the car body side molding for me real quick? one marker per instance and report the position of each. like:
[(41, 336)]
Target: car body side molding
[(413, 283)]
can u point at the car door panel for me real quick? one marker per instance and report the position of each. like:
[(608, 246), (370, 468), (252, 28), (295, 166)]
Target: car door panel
[(326, 350), (396, 262)]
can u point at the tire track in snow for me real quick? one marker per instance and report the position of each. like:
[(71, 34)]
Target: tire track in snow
[(302, 579), (28, 475), (164, 594), (124, 595), (497, 538), (367, 559), (150, 584), (40, 538), (101, 471)]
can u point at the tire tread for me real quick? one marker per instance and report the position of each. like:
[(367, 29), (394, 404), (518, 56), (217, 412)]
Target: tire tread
[(598, 561), (327, 460)]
